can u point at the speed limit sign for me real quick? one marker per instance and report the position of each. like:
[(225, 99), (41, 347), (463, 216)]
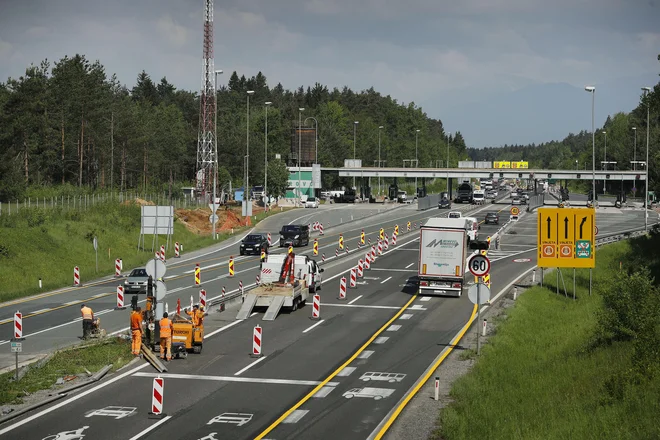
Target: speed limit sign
[(479, 265)]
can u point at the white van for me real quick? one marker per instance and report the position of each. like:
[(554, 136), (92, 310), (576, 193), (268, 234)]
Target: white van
[(307, 270), (472, 228), (479, 197)]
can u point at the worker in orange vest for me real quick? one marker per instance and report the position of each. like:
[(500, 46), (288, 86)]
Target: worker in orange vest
[(136, 330), (87, 320), (197, 316), (166, 329)]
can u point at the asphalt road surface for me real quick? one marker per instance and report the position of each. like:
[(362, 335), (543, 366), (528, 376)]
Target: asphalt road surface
[(336, 377)]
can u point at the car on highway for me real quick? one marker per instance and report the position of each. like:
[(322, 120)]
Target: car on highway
[(455, 214), (516, 200), (493, 194), (312, 202), (136, 282), (525, 195), (294, 235), (253, 243), (492, 217), (444, 203)]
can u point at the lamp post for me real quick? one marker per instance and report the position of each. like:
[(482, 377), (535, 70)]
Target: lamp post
[(646, 91), (300, 110), (448, 137), (316, 137), (576, 164), (416, 158), (379, 164), (215, 147), (267, 103), (592, 90), (605, 158), (355, 124), (247, 153), (635, 150)]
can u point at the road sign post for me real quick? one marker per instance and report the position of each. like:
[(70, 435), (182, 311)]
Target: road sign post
[(96, 251), (479, 265)]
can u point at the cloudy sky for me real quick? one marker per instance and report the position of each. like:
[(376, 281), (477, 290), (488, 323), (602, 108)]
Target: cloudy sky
[(450, 57)]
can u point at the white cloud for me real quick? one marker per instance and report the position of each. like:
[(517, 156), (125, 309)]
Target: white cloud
[(175, 33)]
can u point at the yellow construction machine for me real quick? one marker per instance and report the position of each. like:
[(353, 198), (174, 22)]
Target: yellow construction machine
[(186, 338)]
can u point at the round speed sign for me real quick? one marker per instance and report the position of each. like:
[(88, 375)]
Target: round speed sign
[(479, 265)]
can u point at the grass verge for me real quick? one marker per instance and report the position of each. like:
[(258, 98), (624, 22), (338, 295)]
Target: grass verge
[(92, 357), (542, 377)]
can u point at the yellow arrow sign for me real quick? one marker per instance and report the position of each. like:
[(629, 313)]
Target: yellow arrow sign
[(566, 237)]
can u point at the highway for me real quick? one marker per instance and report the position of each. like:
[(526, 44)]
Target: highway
[(310, 383)]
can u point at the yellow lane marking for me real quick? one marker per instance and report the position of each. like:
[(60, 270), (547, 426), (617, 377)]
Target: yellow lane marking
[(337, 371)]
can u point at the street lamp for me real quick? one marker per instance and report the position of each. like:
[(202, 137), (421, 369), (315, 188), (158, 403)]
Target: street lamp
[(416, 159), (379, 129), (592, 90), (316, 137), (646, 91), (576, 164), (448, 137), (215, 146), (355, 124), (247, 153), (300, 110), (267, 103), (635, 149), (605, 158)]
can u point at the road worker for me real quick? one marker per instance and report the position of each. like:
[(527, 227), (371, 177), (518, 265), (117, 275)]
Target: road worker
[(197, 316), (136, 330), (87, 320), (166, 329)]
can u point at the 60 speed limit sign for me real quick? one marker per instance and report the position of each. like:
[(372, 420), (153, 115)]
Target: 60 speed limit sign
[(479, 265)]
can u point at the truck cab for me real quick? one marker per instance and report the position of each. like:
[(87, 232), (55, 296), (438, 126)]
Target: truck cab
[(307, 271)]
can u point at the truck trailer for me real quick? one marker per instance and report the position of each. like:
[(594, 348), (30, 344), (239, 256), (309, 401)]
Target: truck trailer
[(442, 253)]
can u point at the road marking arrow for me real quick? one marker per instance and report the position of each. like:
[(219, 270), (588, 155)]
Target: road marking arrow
[(584, 219), (549, 223)]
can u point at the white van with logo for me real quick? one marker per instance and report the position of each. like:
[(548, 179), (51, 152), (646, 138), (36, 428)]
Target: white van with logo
[(472, 228)]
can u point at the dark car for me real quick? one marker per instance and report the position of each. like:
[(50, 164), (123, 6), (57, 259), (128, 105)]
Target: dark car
[(136, 281), (492, 217), (444, 203), (253, 243), (294, 235)]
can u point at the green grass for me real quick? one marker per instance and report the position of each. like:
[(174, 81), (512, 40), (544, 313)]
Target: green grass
[(92, 357), (540, 377), (48, 243)]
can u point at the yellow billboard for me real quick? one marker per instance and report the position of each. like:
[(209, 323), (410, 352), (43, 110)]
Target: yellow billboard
[(519, 164), (501, 164), (566, 237)]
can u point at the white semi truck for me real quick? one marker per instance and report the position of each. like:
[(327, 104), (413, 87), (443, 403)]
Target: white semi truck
[(442, 253), (286, 280)]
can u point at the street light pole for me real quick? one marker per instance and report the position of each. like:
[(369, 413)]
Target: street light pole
[(647, 90), (635, 150), (247, 155), (416, 159), (379, 163), (605, 159), (300, 110), (448, 137), (354, 142), (267, 103), (215, 148), (592, 90)]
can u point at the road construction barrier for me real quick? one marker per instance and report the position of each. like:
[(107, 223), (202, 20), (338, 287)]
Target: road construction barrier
[(360, 268), (120, 298), (263, 255), (198, 275), (202, 298), (369, 241), (346, 249), (231, 266), (396, 229), (117, 267), (386, 243), (342, 288), (353, 282), (394, 240), (373, 253), (362, 237), (336, 253), (321, 228), (178, 306), (367, 261), (269, 240), (162, 252), (408, 226), (380, 247), (157, 396), (76, 277), (177, 251), (290, 249), (18, 325), (240, 287), (256, 341), (381, 233), (316, 246), (316, 307), (341, 241), (257, 280)]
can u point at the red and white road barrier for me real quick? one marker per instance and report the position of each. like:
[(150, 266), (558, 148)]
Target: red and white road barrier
[(373, 253), (394, 240), (157, 396), (321, 228), (240, 287), (162, 252), (360, 268), (117, 267), (316, 307), (257, 280), (367, 261), (18, 325), (120, 298), (386, 243), (336, 252), (415, 225), (342, 288), (178, 306), (256, 341), (323, 257), (346, 248), (369, 241), (380, 247), (177, 251), (269, 239), (202, 298), (76, 277), (353, 282)]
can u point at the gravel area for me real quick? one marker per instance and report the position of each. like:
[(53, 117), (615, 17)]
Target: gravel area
[(420, 418)]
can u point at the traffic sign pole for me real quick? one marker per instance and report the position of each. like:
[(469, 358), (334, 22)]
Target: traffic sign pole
[(478, 318)]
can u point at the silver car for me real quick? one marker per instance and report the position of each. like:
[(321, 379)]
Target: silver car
[(136, 281)]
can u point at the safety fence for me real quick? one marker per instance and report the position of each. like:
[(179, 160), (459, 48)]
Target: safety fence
[(430, 201), (535, 202)]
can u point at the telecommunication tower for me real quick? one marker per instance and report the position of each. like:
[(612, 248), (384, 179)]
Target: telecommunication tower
[(206, 135)]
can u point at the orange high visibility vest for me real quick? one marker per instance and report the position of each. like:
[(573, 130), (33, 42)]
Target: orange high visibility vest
[(165, 328), (86, 313), (136, 321)]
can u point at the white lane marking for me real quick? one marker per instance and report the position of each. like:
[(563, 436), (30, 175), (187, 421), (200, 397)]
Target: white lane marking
[(346, 371), (417, 307), (234, 379), (406, 316), (238, 373), (409, 265), (365, 354), (385, 280), (356, 298), (255, 313), (62, 325), (393, 328), (514, 254), (295, 416), (70, 303), (151, 428), (100, 295), (381, 339), (425, 298), (323, 392), (392, 270), (365, 307), (40, 311), (72, 399), (311, 327), (215, 332)]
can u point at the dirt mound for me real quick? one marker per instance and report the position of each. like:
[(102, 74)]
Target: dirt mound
[(197, 220)]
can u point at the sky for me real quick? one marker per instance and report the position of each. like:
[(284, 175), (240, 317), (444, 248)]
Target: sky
[(452, 58)]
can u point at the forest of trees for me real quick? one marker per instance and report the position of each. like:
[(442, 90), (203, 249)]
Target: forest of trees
[(72, 123)]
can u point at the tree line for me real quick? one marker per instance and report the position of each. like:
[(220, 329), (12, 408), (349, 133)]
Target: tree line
[(69, 122)]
